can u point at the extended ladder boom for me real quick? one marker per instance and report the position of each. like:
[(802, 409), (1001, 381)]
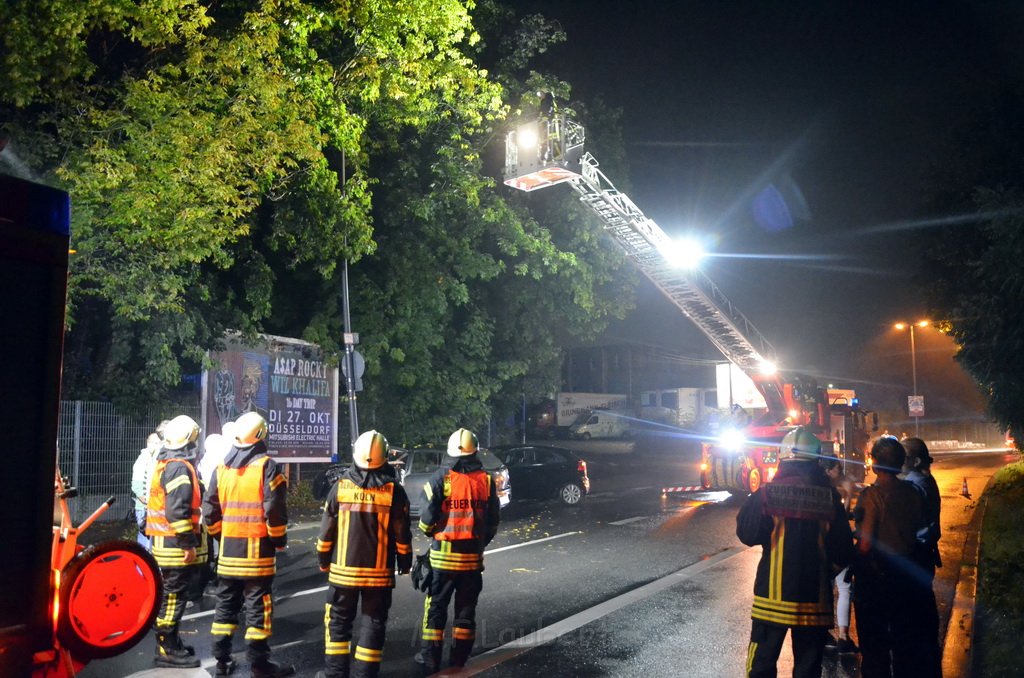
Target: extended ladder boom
[(560, 158)]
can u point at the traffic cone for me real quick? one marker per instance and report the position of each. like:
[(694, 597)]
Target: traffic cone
[(964, 492)]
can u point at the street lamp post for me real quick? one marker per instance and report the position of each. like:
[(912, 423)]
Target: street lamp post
[(913, 364)]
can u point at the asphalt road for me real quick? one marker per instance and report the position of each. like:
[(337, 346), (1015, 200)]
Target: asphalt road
[(628, 583)]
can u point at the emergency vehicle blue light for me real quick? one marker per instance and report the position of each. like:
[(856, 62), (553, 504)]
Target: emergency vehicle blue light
[(855, 402)]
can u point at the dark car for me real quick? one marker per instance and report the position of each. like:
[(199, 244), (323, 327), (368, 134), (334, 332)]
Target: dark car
[(545, 472), (418, 464)]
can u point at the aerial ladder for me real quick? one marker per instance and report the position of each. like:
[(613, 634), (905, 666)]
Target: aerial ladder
[(550, 151)]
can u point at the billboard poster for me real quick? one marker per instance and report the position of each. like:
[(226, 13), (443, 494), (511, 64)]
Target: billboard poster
[(286, 380)]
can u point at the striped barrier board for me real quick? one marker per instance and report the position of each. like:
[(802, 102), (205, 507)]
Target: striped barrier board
[(685, 488)]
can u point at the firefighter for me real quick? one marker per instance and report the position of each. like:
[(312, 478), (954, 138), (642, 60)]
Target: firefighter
[(366, 525), (461, 515), (245, 507), (799, 522), (178, 539)]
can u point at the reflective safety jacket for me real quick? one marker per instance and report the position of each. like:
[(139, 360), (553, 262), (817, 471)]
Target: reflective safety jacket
[(366, 527), (173, 511), (799, 521), (461, 513), (245, 506)]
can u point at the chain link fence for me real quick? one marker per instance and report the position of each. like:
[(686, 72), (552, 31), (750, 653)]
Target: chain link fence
[(97, 447)]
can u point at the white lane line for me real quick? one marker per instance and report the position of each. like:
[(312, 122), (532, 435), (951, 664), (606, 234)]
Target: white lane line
[(530, 543), (505, 652), (627, 521), (320, 589)]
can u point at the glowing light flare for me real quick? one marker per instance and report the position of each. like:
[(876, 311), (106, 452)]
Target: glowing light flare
[(684, 253), (732, 439), (527, 137), (768, 368)]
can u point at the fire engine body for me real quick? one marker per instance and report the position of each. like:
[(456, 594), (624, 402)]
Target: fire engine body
[(550, 152)]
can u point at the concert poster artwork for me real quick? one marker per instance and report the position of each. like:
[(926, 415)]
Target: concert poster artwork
[(285, 380)]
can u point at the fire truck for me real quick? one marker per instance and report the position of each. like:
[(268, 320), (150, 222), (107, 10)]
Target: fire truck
[(62, 604), (550, 151)]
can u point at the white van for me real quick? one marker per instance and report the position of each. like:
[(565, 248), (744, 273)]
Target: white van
[(601, 424)]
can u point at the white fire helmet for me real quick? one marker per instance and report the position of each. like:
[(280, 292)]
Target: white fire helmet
[(180, 432), (800, 444), (250, 428), (462, 443), (370, 450)]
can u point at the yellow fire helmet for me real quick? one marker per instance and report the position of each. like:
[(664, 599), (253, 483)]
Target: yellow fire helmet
[(370, 450), (180, 432), (800, 444), (462, 443), (250, 428)]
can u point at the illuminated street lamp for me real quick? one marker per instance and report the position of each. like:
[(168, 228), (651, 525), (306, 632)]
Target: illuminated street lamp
[(913, 363)]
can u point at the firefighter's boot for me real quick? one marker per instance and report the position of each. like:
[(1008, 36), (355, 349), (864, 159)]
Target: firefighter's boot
[(461, 647), (268, 669), (171, 653), (430, 656), (337, 666)]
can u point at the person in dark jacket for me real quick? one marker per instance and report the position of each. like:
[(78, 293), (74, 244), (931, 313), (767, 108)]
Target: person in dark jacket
[(460, 514), (799, 521), (245, 507), (366, 527), (892, 596), (179, 542)]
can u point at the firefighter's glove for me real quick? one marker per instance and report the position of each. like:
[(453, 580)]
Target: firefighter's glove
[(404, 563)]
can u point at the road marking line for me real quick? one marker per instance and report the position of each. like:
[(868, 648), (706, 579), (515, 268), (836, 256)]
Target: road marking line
[(505, 652), (320, 589), (529, 543), (627, 521)]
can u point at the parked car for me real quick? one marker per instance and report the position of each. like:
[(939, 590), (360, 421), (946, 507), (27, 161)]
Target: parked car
[(419, 464), (545, 472)]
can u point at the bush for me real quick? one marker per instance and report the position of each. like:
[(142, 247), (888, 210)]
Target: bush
[(1001, 575)]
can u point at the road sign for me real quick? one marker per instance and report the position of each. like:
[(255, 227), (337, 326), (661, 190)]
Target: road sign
[(915, 404), (360, 366)]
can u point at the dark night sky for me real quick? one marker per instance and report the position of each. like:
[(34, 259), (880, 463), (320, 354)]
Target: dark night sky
[(853, 100)]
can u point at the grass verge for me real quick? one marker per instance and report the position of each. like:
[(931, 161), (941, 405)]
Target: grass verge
[(1000, 596)]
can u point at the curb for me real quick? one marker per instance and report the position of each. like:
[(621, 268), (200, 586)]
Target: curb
[(958, 645)]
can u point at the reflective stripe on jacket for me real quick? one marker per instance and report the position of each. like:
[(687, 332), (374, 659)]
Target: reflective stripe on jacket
[(241, 499), (246, 507), (173, 513), (461, 514), (365, 527)]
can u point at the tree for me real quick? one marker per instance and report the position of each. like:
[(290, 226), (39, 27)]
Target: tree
[(224, 159), (973, 271), (201, 143)]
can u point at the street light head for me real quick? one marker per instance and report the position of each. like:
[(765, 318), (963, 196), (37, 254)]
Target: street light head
[(900, 326), (922, 323)]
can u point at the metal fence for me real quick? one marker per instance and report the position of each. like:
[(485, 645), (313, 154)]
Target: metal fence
[(97, 447)]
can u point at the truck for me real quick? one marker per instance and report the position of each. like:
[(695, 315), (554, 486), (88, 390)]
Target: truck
[(688, 407), (549, 151), (552, 417), (602, 423)]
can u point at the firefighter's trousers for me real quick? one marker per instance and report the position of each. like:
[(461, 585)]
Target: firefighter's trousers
[(363, 660), (766, 645), (177, 581), (466, 587), (257, 595)]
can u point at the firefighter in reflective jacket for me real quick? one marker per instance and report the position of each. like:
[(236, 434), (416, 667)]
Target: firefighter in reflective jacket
[(461, 515), (799, 521), (245, 508), (179, 541), (366, 526)]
